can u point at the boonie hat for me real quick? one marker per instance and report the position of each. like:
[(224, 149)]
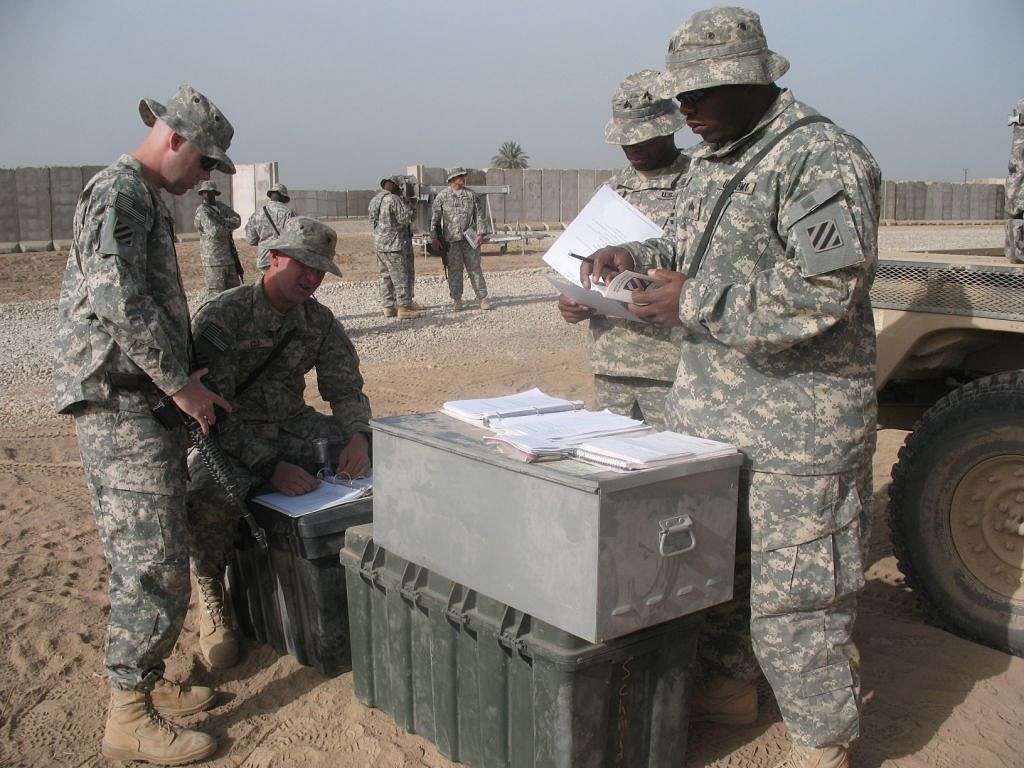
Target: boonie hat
[(719, 46), (208, 186), (454, 173), (281, 189), (307, 240), (639, 115), (195, 117)]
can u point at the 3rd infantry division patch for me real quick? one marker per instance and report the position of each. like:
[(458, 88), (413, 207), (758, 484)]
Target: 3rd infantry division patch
[(824, 236)]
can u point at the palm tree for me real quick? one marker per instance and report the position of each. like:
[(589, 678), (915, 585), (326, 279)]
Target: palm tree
[(510, 155)]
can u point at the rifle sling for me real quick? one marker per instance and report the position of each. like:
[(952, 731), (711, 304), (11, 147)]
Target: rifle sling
[(274, 354)]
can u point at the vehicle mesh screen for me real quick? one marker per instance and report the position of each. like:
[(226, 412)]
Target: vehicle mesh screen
[(979, 291)]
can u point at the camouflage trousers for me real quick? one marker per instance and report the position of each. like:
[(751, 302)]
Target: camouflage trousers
[(637, 398), (219, 278), (462, 254), (395, 281), (212, 516), (135, 472), (800, 545)]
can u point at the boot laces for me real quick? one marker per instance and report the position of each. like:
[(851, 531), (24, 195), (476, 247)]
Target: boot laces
[(158, 720), (212, 601)]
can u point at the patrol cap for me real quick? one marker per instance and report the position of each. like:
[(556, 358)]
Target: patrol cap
[(208, 186), (192, 115), (281, 189), (307, 240), (454, 173), (719, 46), (639, 115)]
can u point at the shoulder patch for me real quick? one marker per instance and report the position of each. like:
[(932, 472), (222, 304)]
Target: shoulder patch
[(825, 240), (813, 200), (128, 207)]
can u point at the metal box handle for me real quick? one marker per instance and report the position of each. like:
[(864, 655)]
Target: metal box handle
[(676, 536)]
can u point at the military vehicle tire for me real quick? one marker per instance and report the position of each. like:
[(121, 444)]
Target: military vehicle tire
[(956, 510)]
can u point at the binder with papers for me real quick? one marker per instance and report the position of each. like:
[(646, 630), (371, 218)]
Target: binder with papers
[(649, 450), (481, 411)]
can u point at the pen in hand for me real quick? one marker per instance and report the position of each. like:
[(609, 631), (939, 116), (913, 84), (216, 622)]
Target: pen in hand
[(588, 260)]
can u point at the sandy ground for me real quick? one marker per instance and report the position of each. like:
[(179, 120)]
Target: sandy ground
[(932, 699)]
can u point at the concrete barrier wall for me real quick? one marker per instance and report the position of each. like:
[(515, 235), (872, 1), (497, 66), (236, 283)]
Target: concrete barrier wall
[(37, 205), (941, 201)]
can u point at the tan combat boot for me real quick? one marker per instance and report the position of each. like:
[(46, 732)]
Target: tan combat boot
[(485, 304), (136, 731), (217, 639), (415, 305), (722, 700), (390, 311), (457, 305), (833, 756), (178, 700), (408, 313)]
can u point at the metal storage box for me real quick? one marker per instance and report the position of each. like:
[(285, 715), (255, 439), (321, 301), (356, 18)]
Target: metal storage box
[(494, 688), (596, 553), (292, 596)]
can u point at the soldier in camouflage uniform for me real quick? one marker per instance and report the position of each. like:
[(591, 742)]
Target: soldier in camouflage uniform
[(778, 357), (634, 364), (457, 209), (391, 216), (1015, 188), (215, 222), (269, 434), (267, 221), (123, 341)]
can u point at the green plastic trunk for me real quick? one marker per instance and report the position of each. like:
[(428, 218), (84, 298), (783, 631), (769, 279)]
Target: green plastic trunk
[(492, 687)]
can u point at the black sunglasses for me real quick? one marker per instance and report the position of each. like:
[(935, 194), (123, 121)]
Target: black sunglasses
[(690, 98), (208, 163)]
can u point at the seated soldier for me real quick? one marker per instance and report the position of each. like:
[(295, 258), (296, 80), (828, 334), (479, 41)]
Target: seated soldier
[(259, 341)]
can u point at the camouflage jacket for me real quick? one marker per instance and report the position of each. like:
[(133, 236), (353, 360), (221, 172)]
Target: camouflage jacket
[(391, 229), (457, 212), (244, 322), (641, 350), (258, 229), (778, 354), (1015, 177), (373, 209), (215, 223), (122, 306)]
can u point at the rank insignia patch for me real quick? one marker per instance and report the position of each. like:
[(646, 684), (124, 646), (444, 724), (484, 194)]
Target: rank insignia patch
[(824, 236)]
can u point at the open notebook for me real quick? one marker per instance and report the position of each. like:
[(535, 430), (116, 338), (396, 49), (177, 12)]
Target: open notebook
[(649, 450), (552, 434), (480, 412), (327, 494)]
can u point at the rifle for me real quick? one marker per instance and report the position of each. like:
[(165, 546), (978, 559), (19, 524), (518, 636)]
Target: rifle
[(238, 262), (438, 247), (267, 214)]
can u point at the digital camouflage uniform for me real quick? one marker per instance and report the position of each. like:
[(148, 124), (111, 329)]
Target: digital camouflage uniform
[(215, 222), (123, 338), (458, 211), (390, 219), (778, 357), (634, 364), (271, 421), (260, 228), (1015, 188)]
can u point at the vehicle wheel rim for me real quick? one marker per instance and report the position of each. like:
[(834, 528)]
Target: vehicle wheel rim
[(987, 524)]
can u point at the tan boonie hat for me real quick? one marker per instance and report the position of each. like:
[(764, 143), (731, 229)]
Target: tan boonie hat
[(208, 186), (718, 46), (307, 240), (638, 115), (454, 173), (281, 189), (192, 115)]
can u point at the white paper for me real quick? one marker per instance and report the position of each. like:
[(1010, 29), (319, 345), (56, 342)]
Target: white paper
[(606, 220), (593, 299), (553, 431), (650, 450), (470, 235), (323, 496)]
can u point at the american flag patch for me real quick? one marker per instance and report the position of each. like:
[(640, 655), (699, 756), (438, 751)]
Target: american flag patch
[(127, 206), (824, 236)]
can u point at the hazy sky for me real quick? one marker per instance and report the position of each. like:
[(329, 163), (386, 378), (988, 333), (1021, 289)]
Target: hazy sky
[(341, 93)]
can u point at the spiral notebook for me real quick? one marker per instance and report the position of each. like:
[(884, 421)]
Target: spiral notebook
[(481, 411)]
